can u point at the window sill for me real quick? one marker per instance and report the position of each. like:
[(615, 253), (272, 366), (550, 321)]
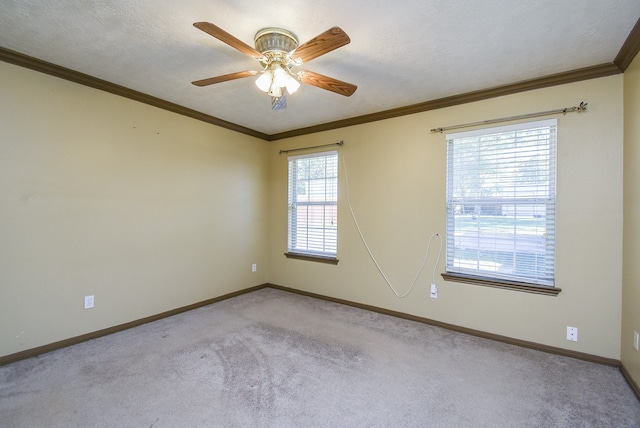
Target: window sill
[(497, 283), (312, 258)]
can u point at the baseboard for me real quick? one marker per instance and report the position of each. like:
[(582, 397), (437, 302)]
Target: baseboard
[(504, 339), (34, 352), (627, 376)]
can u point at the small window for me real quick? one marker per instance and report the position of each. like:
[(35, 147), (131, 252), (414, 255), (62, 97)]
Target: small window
[(501, 193), (313, 204)]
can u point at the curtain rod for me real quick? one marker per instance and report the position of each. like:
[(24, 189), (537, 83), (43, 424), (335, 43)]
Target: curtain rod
[(339, 143), (580, 108)]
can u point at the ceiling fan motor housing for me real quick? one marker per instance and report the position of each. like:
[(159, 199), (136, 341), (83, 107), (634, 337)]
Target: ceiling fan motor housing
[(275, 42)]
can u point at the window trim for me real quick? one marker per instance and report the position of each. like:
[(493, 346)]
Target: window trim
[(525, 287), (312, 257), (487, 280), (300, 253)]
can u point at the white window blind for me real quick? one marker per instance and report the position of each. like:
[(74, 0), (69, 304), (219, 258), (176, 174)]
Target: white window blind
[(501, 191), (313, 204)]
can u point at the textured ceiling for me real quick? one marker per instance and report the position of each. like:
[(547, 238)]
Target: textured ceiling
[(401, 53)]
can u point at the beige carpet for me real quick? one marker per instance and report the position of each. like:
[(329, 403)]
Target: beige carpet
[(276, 359)]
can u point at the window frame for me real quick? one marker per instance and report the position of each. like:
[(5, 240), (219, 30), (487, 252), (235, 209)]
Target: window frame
[(484, 277), (324, 236)]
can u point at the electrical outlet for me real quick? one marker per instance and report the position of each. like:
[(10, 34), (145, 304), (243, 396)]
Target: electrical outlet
[(88, 302), (572, 334), (254, 267), (434, 291), (636, 340)]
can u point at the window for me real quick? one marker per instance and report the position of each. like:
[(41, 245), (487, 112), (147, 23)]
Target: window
[(313, 204), (501, 188)]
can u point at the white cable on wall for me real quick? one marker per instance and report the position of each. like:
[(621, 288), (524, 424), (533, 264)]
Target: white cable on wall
[(426, 254)]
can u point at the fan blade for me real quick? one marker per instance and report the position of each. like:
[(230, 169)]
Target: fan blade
[(328, 83), (225, 77), (320, 45), (223, 36)]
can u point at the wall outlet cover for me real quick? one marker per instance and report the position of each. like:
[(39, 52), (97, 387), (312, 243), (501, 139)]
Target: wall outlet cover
[(88, 302), (434, 291)]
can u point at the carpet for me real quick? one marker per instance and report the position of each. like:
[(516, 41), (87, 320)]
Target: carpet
[(272, 358)]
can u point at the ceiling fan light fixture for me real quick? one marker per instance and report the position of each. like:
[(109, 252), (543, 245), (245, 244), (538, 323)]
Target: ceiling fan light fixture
[(275, 91), (280, 77), (292, 84), (274, 78), (263, 82)]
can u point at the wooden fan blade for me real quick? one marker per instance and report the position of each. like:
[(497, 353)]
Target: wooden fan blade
[(328, 83), (225, 77), (223, 36), (320, 45)]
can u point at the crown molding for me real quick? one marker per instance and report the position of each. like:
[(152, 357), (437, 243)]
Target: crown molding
[(627, 53), (629, 49), (468, 97), (32, 63)]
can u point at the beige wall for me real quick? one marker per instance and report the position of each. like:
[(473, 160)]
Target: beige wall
[(150, 211), (100, 195), (396, 172), (631, 279)]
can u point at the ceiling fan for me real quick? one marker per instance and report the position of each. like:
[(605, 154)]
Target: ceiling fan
[(278, 52)]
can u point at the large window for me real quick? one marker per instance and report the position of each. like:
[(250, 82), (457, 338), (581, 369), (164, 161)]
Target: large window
[(313, 204), (501, 188)]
